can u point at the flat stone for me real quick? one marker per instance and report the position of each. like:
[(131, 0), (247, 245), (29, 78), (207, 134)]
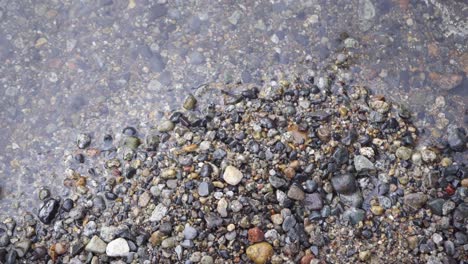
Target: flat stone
[(204, 189), (158, 213), (96, 245), (117, 248), (295, 192), (313, 201), (232, 175), (362, 163), (436, 206), (415, 201)]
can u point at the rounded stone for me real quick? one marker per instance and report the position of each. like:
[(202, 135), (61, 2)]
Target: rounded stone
[(344, 183), (260, 253), (403, 153), (232, 175), (117, 248)]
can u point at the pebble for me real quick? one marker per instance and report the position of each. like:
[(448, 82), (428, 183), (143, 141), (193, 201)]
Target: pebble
[(204, 189), (403, 153), (117, 248), (83, 141), (222, 207), (190, 233), (232, 175), (255, 235), (96, 245), (354, 215), (415, 201), (364, 255), (362, 163), (206, 260), (260, 253), (48, 211), (190, 102), (344, 183), (435, 206), (277, 219), (428, 156), (166, 126), (295, 192), (377, 210), (313, 201), (158, 213), (456, 138)]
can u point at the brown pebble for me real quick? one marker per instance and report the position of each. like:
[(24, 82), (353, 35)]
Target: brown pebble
[(255, 235), (307, 259)]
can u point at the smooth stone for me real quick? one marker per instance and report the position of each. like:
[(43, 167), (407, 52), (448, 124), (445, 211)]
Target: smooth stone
[(190, 102), (117, 248), (166, 126), (169, 242), (158, 213), (344, 183), (295, 192), (260, 253), (362, 163), (232, 175), (415, 201), (277, 182), (204, 189), (96, 245)]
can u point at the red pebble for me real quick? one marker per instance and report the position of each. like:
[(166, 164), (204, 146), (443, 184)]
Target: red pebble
[(255, 235), (449, 190)]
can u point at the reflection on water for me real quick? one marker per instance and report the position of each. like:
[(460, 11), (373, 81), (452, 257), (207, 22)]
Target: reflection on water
[(98, 66)]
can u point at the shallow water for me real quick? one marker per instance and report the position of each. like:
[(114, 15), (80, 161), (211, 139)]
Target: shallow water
[(98, 66)]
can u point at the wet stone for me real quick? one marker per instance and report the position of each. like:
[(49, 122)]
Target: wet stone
[(456, 139), (48, 211), (166, 126), (83, 141)]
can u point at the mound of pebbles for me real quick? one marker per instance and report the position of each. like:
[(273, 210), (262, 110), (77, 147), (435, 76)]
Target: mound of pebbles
[(311, 171)]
